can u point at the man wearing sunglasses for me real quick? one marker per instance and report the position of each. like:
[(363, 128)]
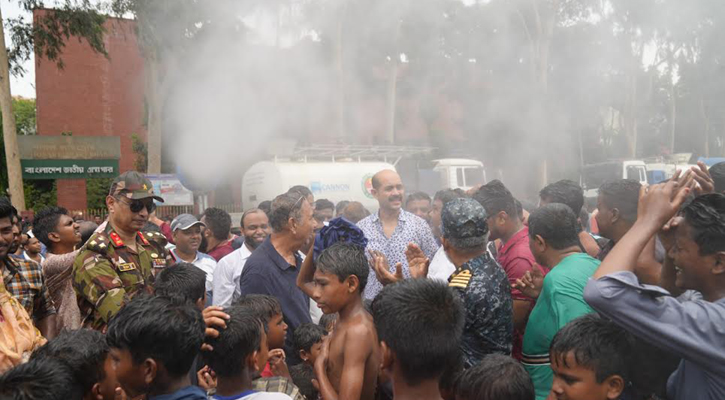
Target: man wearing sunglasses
[(119, 261)]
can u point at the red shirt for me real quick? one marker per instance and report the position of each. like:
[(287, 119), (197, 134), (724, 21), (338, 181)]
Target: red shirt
[(221, 250), (515, 258)]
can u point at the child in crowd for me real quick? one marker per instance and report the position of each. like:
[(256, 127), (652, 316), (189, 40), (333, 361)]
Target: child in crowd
[(237, 353), (420, 323), (308, 342), (590, 358), (328, 322), (268, 310), (182, 280), (87, 355), (496, 377), (349, 369), (154, 341), (40, 379), (303, 376)]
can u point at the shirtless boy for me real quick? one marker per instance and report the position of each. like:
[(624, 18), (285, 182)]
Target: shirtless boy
[(348, 365)]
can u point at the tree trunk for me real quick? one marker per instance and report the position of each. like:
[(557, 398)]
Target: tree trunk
[(153, 137), (12, 154)]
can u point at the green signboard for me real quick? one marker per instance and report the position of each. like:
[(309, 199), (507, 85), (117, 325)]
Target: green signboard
[(69, 169)]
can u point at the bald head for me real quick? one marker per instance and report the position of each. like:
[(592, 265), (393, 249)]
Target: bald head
[(388, 189)]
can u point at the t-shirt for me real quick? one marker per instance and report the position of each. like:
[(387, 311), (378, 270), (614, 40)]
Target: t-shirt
[(561, 300), (252, 395), (186, 393)]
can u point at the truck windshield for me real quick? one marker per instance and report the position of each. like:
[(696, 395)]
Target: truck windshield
[(474, 176), (593, 176)]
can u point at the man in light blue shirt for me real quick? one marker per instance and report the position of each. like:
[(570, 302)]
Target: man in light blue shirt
[(187, 236)]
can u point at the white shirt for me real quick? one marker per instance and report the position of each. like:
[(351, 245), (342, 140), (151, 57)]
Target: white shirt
[(205, 263), (227, 274), (440, 266), (315, 311)]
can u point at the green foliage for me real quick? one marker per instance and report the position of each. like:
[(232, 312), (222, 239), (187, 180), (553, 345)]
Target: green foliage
[(140, 151), (24, 110), (97, 190), (40, 194)]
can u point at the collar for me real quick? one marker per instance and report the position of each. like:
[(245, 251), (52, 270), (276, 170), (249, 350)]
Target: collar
[(177, 258), (524, 232), (403, 216), (470, 264), (277, 258), (10, 264), (116, 240)]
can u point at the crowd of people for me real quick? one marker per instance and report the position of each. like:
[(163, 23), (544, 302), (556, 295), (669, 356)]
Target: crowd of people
[(460, 296)]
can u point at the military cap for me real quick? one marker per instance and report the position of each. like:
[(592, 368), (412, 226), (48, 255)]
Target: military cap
[(464, 218), (134, 186)]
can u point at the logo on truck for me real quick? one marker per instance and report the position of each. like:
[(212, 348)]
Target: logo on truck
[(367, 185), (317, 187)]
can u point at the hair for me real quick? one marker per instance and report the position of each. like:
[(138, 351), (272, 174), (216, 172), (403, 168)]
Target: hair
[(421, 321), (40, 379), (158, 327), (417, 196), (302, 376), (266, 206), (495, 377), (6, 209), (260, 306), (706, 216), (46, 221), (322, 204), (597, 344), (717, 173), (355, 212), (183, 280), (494, 197), (307, 335), (555, 223), (469, 243), (83, 351), (622, 194), (446, 195), (565, 192), (584, 220), (304, 191), (343, 260), (218, 221), (327, 319), (340, 207), (284, 207), (242, 337), (248, 212), (87, 229)]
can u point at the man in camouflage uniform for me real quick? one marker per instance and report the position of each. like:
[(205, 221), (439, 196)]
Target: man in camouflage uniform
[(481, 282), (119, 261)]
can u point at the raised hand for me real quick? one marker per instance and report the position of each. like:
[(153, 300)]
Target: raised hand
[(531, 283), (703, 178), (418, 262), (382, 270), (206, 378), (659, 203), (215, 319), (278, 363)]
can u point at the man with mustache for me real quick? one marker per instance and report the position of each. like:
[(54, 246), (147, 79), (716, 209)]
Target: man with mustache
[(255, 227), (119, 261), (186, 231), (391, 230)]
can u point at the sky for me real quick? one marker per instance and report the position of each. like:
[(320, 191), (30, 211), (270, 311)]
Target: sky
[(23, 85)]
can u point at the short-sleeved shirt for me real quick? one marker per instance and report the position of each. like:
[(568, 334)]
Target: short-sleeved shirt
[(267, 272), (486, 295), (227, 274), (205, 263), (410, 229), (107, 273), (693, 330), (277, 384), (222, 250), (516, 259), (24, 281), (561, 300)]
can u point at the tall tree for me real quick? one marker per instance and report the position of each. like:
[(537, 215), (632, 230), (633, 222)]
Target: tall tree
[(45, 37)]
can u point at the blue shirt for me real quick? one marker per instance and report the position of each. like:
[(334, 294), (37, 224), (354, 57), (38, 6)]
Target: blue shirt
[(267, 272), (187, 393), (410, 229)]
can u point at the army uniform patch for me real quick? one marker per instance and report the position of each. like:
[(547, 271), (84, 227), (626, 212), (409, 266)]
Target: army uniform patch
[(125, 267), (461, 279)]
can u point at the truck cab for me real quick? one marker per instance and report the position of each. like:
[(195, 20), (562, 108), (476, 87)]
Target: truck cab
[(460, 173), (594, 175)]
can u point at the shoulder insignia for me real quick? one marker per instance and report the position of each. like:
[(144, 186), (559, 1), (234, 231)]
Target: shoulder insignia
[(143, 239), (116, 240), (461, 279), (157, 238), (98, 244)]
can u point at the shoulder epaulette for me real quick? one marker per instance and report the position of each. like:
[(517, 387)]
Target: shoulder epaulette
[(460, 279), (154, 237), (98, 243)]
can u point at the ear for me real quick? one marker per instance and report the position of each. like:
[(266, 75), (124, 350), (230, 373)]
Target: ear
[(353, 283), (96, 392), (54, 237), (614, 386), (150, 370), (304, 356), (719, 266), (540, 243), (251, 362), (110, 204), (387, 359), (615, 215), (445, 244)]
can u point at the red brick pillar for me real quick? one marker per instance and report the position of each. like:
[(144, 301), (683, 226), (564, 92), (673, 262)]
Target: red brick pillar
[(72, 194)]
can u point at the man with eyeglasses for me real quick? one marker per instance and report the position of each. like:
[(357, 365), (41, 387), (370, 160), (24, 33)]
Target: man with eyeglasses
[(119, 261)]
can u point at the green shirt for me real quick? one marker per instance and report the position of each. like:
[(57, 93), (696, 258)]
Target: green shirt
[(561, 300)]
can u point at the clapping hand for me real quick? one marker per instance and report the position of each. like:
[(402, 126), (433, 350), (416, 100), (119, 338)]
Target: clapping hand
[(382, 270), (418, 262)]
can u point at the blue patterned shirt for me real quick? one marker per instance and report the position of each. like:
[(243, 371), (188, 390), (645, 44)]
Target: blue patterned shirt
[(410, 229)]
